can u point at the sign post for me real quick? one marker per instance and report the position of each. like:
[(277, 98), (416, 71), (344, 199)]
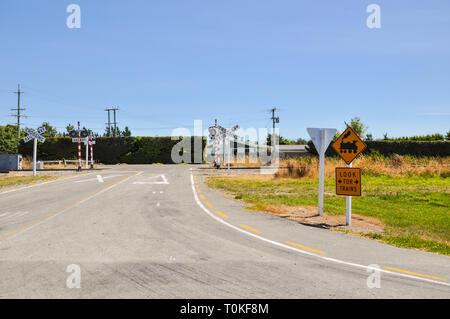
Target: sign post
[(34, 135), (82, 138), (348, 180), (321, 138), (220, 134), (92, 143)]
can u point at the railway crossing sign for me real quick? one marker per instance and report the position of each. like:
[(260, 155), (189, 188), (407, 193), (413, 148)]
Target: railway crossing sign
[(79, 140), (349, 145), (34, 134), (348, 181)]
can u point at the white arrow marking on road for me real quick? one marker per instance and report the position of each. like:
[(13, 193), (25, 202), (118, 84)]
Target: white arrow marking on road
[(99, 178)]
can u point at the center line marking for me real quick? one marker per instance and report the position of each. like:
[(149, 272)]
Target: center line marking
[(208, 204), (202, 196), (221, 215), (49, 216), (289, 247), (307, 248), (249, 228), (415, 273)]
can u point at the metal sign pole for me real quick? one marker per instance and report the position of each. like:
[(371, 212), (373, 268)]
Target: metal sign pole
[(92, 154), (321, 172), (229, 151), (79, 148), (87, 153), (34, 156), (348, 207)]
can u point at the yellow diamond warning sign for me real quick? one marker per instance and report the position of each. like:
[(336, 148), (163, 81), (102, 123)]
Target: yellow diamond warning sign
[(349, 145), (348, 181)]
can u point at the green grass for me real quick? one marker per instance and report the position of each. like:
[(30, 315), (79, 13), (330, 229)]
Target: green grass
[(6, 181), (415, 210)]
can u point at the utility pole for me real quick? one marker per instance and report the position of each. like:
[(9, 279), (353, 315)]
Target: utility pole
[(109, 123), (18, 115), (114, 132), (115, 122), (274, 119)]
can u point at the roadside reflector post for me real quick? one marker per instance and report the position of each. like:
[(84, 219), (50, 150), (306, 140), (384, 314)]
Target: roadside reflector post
[(321, 138)]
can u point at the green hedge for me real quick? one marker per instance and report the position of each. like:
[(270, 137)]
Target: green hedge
[(386, 148), (113, 150)]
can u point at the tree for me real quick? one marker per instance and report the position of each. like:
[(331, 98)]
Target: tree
[(357, 126), (281, 141), (447, 136), (69, 128), (126, 132), (8, 139), (301, 141), (369, 137), (50, 131)]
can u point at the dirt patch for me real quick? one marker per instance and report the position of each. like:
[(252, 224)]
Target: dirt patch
[(309, 216)]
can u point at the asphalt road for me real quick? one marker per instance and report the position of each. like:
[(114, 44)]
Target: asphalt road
[(157, 231)]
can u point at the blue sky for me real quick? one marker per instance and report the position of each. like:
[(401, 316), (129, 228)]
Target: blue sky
[(167, 63)]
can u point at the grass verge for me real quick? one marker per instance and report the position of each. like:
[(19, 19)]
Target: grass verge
[(6, 181), (413, 209)]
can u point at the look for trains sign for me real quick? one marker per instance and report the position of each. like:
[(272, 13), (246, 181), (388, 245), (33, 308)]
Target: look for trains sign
[(348, 181), (349, 145)]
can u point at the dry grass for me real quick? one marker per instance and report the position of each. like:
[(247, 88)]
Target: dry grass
[(26, 164), (395, 165)]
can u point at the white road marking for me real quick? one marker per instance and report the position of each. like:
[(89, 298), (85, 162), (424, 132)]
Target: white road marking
[(163, 182), (97, 179), (199, 203), (158, 204), (75, 205), (100, 179), (11, 215)]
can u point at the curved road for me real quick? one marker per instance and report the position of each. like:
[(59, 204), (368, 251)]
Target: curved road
[(156, 231)]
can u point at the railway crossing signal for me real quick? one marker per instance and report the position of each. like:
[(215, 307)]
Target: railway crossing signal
[(348, 179), (34, 135), (349, 145)]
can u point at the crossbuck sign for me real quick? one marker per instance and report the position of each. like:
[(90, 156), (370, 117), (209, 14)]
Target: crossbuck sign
[(34, 135)]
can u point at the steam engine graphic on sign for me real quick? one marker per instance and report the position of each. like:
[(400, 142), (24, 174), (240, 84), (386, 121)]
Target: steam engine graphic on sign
[(349, 147)]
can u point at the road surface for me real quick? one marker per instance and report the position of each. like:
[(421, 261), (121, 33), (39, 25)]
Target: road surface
[(156, 231)]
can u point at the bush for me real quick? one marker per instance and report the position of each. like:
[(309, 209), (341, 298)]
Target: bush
[(112, 150), (388, 148)]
